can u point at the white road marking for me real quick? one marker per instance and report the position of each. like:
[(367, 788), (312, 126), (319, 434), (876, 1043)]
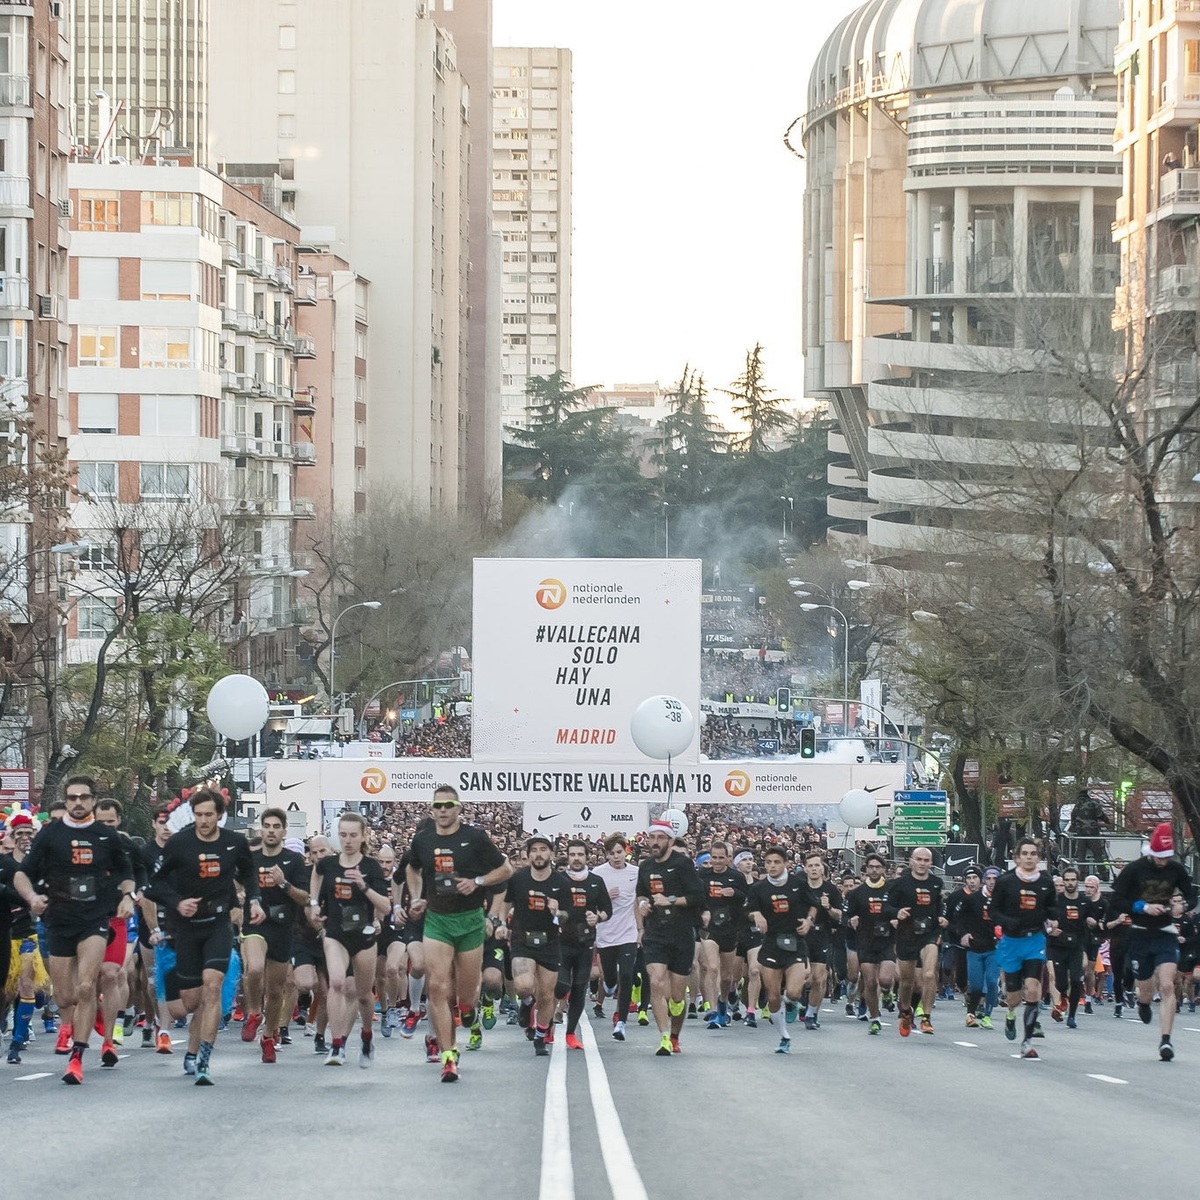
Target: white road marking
[(1191, 1029), (36, 1075), (969, 1045), (558, 1173), (1108, 1079), (623, 1176)]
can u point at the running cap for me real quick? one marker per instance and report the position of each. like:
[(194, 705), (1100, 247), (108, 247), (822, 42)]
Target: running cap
[(538, 837), (658, 825), (1162, 841), (992, 873), (972, 870), (295, 845)]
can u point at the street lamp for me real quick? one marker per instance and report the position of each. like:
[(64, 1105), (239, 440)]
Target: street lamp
[(372, 604), (810, 607), (790, 501), (666, 530)]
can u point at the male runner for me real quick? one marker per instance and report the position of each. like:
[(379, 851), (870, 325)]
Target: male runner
[(670, 898), (195, 883), (530, 906), (724, 913), (617, 938), (1146, 892), (825, 901), (977, 935), (450, 868), (1096, 906), (1024, 907), (83, 865), (309, 969), (584, 907), (115, 982), (267, 947), (1066, 948), (914, 907), (151, 926), (24, 969), (749, 943)]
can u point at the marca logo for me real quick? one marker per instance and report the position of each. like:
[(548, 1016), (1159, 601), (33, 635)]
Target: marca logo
[(620, 817), (551, 593), (373, 781), (737, 783)]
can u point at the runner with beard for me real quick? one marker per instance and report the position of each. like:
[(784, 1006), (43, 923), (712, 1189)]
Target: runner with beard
[(152, 931), (721, 922), (874, 935), (749, 943), (584, 907), (914, 906), (309, 971), (825, 901), (1066, 948)]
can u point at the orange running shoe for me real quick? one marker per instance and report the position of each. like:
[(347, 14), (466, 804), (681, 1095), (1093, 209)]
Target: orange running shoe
[(905, 1022), (163, 1043), (65, 1038)]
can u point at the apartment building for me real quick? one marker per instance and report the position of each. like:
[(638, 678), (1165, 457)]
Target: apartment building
[(368, 118), (531, 211), (182, 381)]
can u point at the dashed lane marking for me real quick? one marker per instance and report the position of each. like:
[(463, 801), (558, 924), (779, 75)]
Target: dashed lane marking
[(969, 1045), (35, 1075), (1108, 1078)]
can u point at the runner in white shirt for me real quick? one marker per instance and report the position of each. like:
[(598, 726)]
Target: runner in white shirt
[(617, 938)]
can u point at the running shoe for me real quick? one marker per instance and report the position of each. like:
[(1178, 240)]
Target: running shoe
[(284, 1038), (751, 1019), (63, 1045), (1191, 1006), (539, 1046), (926, 1025), (203, 1078), (1010, 1027), (1072, 1023), (785, 1046), (643, 1017), (635, 995), (48, 1025), (972, 1021), (619, 1031), (1038, 1031), (74, 1072), (147, 1038), (1117, 1009), (1144, 1013), (675, 1047), (906, 1020), (1087, 1007), (1057, 1012), (790, 1011), (431, 1049), (390, 1021), (851, 1011), (319, 1046), (573, 1043), (514, 1017), (189, 1063), (267, 1044), (1027, 1051), (449, 1068), (691, 1012), (366, 1055), (874, 1027), (475, 1037), (108, 1055), (118, 1036), (410, 1024), (250, 1027), (664, 1048), (488, 1015), (889, 1001), (14, 1053), (985, 1022), (811, 1022), (1166, 1051), (335, 1058), (598, 1011)]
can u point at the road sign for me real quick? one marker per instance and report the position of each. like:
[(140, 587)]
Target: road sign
[(932, 797), (919, 839), (908, 825)]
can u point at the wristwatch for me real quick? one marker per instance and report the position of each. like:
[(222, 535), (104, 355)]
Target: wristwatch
[(479, 881), (313, 903)]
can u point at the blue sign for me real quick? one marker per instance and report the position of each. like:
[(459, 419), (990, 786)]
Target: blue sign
[(768, 745), (409, 714), (920, 798)]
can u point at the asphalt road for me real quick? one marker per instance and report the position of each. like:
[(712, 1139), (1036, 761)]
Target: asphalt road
[(844, 1114)]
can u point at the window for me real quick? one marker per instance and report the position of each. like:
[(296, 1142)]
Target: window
[(98, 279), (96, 616), (165, 481), (98, 346), (100, 211), (170, 208), (97, 558), (165, 280), (287, 37), (287, 125), (168, 416), (287, 83), (97, 479), (97, 413), (166, 348)]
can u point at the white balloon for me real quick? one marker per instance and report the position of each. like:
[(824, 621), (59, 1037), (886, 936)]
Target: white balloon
[(662, 727), (238, 706), (858, 808), (678, 820)]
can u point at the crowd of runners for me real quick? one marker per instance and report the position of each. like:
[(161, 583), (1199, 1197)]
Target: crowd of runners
[(107, 936)]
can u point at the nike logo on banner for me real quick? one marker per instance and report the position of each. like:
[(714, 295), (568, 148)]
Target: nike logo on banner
[(283, 787), (877, 789), (957, 862), (543, 817)]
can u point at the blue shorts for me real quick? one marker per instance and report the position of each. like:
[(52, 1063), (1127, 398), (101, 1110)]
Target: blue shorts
[(1150, 950), (1012, 953)]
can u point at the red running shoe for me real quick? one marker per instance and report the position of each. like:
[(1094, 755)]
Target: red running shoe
[(268, 1048), (74, 1071), (65, 1039), (573, 1043), (449, 1068), (250, 1027), (108, 1055), (675, 1048)]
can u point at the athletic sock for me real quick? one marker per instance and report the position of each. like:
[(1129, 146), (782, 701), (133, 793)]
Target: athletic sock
[(722, 1008), (416, 986), (338, 1043), (203, 1055), (1031, 1017), (21, 1018), (779, 1020), (810, 1011), (366, 1037), (77, 1049)]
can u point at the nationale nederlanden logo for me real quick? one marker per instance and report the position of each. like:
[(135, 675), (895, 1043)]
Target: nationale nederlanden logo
[(737, 783), (551, 593), (373, 781)]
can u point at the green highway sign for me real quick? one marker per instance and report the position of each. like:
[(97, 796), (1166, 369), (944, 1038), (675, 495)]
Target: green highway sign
[(919, 839), (908, 825)]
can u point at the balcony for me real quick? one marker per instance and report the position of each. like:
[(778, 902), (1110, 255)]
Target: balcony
[(244, 508), (304, 509), (306, 402), (14, 191), (278, 507), (1178, 289), (305, 346), (304, 453), (1179, 194), (14, 91), (237, 381), (306, 289), (14, 291), (231, 256), (283, 277)]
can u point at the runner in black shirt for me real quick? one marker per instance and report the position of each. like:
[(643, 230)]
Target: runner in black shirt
[(670, 901), (825, 900), (85, 869), (976, 933), (308, 960), (914, 906), (196, 884), (1066, 948), (584, 904), (874, 936), (530, 908), (152, 931), (25, 974), (782, 910), (722, 920), (1096, 908), (351, 895), (267, 948)]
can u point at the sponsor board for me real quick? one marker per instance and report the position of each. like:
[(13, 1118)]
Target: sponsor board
[(733, 781), (585, 819), (956, 857), (566, 649)]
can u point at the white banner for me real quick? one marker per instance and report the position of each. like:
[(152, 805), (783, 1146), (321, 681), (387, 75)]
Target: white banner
[(306, 782), (565, 649), (582, 820)]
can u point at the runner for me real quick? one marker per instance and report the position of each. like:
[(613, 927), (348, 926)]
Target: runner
[(825, 904), (267, 947), (874, 935), (151, 919), (1096, 906), (914, 907), (722, 919), (1066, 948), (585, 906), (348, 895), (749, 943), (309, 971), (195, 883), (781, 909), (670, 900), (617, 938), (977, 935), (24, 972), (450, 870), (1155, 892), (83, 866), (391, 971), (1024, 906)]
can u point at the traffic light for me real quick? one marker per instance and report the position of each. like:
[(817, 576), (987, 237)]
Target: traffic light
[(783, 700), (808, 742), (956, 822)]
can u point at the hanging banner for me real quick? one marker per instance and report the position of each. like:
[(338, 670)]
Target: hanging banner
[(583, 820), (566, 649)]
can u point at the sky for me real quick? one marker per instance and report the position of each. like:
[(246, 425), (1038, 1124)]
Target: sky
[(687, 204)]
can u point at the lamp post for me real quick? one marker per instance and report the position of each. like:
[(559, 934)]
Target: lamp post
[(790, 501), (666, 530), (372, 604), (809, 607)]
